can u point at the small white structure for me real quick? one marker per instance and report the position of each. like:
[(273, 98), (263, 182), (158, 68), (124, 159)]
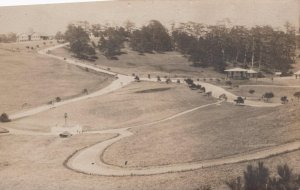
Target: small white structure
[(22, 37), (278, 74), (297, 74), (74, 130)]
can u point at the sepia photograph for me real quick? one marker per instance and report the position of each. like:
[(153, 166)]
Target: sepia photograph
[(150, 95)]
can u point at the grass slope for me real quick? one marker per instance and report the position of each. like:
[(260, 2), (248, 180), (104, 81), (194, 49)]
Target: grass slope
[(29, 79), (123, 108), (163, 64), (209, 133)]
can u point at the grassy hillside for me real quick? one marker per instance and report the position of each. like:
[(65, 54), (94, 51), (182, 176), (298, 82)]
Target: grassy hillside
[(163, 64), (135, 104), (29, 79), (208, 133)]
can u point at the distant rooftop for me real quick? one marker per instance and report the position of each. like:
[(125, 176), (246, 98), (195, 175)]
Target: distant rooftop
[(237, 69)]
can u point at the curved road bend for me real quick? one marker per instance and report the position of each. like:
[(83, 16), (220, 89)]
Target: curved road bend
[(217, 91), (115, 85), (89, 160), (82, 160)]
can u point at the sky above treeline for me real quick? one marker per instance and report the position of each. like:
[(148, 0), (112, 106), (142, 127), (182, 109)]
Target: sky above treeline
[(49, 19)]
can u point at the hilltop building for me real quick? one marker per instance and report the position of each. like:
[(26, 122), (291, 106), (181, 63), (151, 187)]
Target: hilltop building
[(34, 36), (22, 37)]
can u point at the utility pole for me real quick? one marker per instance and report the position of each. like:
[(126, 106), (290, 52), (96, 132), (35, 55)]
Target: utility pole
[(252, 61), (66, 117)]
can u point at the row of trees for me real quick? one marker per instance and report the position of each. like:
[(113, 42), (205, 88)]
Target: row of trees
[(215, 46), (218, 45)]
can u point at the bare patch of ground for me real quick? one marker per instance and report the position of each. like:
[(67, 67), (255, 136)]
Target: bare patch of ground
[(153, 90)]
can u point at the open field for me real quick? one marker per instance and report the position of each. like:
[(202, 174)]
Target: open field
[(30, 79), (132, 105), (196, 136), (29, 46), (43, 169), (166, 64), (211, 132)]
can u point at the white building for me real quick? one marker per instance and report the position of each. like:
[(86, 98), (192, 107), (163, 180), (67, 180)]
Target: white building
[(34, 37), (22, 37)]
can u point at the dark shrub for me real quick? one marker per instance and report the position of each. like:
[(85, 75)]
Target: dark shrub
[(158, 78), (268, 95), (189, 81), (239, 100), (57, 99), (284, 99), (251, 91), (229, 83), (85, 91), (4, 118), (137, 79)]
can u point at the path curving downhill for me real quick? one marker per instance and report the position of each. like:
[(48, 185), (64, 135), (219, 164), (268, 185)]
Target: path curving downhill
[(88, 159), (217, 91), (121, 81)]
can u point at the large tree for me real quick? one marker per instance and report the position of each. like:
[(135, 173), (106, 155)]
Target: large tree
[(79, 42), (153, 37), (112, 41)]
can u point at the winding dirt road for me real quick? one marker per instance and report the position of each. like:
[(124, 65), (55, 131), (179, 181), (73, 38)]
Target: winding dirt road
[(122, 80), (88, 159), (217, 91)]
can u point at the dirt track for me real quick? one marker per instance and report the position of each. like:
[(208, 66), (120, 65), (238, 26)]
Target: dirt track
[(87, 160)]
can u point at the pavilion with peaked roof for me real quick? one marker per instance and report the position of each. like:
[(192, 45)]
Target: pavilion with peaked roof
[(240, 73), (236, 73)]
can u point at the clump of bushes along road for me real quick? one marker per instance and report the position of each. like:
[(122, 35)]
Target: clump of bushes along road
[(259, 178), (4, 117)]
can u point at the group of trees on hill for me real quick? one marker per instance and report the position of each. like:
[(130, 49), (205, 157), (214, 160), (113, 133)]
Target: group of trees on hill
[(150, 38), (218, 45), (215, 46), (79, 42), (6, 38), (258, 177), (112, 41)]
